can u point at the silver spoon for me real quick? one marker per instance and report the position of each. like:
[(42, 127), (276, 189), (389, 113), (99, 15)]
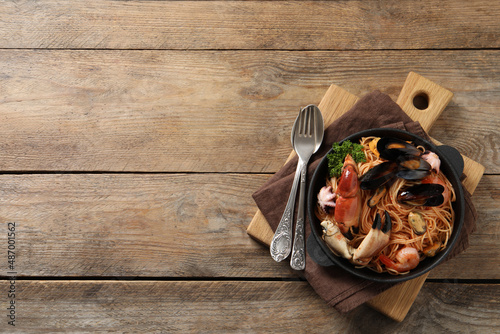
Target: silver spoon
[(307, 135)]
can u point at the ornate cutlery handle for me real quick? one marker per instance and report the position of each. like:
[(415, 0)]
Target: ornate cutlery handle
[(298, 260), (281, 245)]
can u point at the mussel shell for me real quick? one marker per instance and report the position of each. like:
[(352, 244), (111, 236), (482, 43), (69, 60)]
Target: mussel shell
[(412, 174), (377, 196), (434, 201), (412, 167), (378, 176), (429, 194), (422, 190), (413, 162), (430, 201), (432, 250), (392, 148)]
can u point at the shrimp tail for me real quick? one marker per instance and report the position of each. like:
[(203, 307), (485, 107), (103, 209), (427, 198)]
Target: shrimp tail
[(386, 261)]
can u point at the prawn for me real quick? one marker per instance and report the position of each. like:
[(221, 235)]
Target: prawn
[(407, 258)]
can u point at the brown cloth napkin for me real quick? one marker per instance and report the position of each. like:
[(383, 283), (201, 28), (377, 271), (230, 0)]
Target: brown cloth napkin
[(338, 288)]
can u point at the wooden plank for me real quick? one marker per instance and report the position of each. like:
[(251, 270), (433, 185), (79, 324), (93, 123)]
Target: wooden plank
[(449, 24), (170, 306), (108, 110), (232, 306), (132, 225), (442, 308), (172, 225)]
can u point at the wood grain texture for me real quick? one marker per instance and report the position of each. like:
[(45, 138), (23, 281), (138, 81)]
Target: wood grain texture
[(133, 225), (396, 24), (445, 308), (205, 92), (231, 306), (397, 301), (172, 225), (121, 110)]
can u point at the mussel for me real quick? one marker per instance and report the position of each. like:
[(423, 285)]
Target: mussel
[(404, 161), (432, 250), (377, 196), (411, 167), (428, 194), (391, 148), (379, 175), (417, 222)]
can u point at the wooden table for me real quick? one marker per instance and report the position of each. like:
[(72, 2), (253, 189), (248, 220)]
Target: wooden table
[(133, 134)]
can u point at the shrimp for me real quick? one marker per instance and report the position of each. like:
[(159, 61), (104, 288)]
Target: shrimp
[(407, 258)]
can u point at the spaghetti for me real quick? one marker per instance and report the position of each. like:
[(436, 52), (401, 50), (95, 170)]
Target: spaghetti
[(438, 219)]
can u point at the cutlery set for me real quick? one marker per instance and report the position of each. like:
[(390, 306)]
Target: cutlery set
[(306, 138)]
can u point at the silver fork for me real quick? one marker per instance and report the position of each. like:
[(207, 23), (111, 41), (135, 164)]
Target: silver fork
[(307, 135)]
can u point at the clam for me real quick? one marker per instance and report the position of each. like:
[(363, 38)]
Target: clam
[(417, 222), (429, 194), (391, 148)]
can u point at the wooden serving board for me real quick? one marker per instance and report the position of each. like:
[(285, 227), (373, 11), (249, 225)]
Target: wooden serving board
[(397, 301)]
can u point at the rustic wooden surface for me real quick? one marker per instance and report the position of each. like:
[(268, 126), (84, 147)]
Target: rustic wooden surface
[(134, 133)]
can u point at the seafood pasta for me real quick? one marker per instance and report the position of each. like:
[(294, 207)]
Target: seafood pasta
[(389, 210)]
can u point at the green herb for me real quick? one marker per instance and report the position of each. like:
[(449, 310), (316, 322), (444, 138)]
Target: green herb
[(339, 152)]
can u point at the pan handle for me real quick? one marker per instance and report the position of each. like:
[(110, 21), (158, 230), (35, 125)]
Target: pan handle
[(316, 253), (454, 157)]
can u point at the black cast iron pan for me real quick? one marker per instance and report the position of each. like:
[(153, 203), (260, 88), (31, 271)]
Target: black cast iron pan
[(452, 165)]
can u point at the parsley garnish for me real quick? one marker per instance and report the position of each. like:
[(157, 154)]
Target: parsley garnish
[(338, 154)]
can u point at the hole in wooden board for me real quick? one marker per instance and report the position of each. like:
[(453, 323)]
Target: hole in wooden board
[(421, 101)]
